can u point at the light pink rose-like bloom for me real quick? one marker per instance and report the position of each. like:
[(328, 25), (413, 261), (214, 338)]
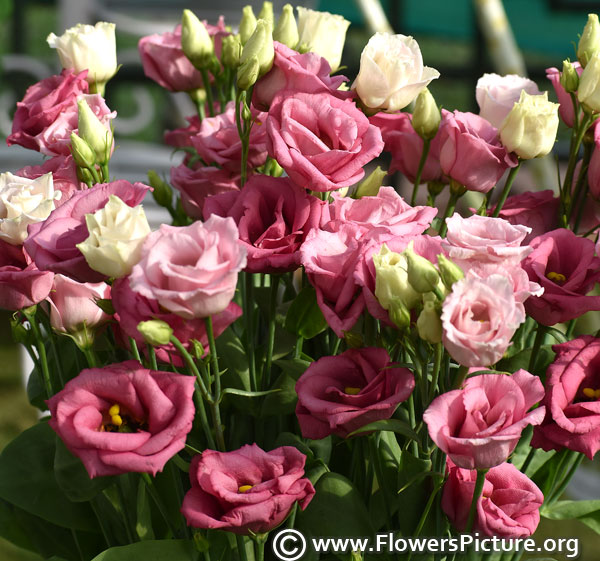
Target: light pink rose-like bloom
[(192, 270), (509, 506), (479, 425), (164, 61), (479, 318), (497, 94), (471, 152), (274, 217), (246, 490), (306, 72), (64, 176), (566, 111), (330, 259), (340, 394), (484, 238), (43, 104), (73, 306), (21, 283), (178, 138), (321, 141), (406, 147), (157, 407), (200, 183), (218, 140)]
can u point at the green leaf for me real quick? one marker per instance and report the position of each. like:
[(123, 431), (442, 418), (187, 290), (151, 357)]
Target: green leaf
[(567, 510), (294, 367), (414, 496), (521, 360), (143, 526), (27, 480), (244, 393), (150, 550), (284, 401), (393, 425), (304, 317), (291, 439)]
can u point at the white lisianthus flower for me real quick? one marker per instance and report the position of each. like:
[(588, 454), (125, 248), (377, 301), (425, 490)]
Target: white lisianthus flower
[(529, 130), (88, 47), (117, 233), (391, 279), (391, 72), (589, 84), (22, 202), (322, 33)]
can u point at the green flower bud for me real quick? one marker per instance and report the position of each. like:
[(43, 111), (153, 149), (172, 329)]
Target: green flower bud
[(399, 314), (247, 73), (569, 79), (353, 340), (426, 115), (429, 325), (247, 25), (449, 271), (260, 45), (82, 153), (97, 136), (197, 348), (195, 40), (286, 31), (155, 332), (434, 188), (391, 279), (422, 275), (589, 42), (231, 51), (369, 187), (266, 13), (85, 176), (162, 193)]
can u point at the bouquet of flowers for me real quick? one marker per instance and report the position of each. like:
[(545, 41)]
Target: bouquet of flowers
[(302, 354)]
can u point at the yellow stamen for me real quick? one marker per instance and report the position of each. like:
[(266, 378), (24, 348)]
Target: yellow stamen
[(351, 391), (116, 420), (114, 410), (245, 488), (591, 393), (556, 277)]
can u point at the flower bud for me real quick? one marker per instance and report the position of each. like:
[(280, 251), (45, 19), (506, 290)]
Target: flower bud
[(266, 13), (399, 314), (369, 187), (450, 272), (569, 79), (247, 25), (426, 115), (429, 324), (422, 275), (589, 85), (286, 31), (231, 51), (155, 332), (90, 129), (247, 73), (589, 42), (82, 153), (85, 176), (391, 279), (195, 40), (353, 340), (162, 193), (260, 45), (529, 130)]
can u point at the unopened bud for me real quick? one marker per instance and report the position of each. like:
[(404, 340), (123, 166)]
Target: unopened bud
[(106, 305), (422, 275), (434, 188), (449, 271), (353, 340), (286, 31), (85, 176), (569, 79), (426, 115), (90, 129), (429, 325), (391, 279), (247, 73), (266, 13), (247, 25), (260, 45), (369, 187), (82, 153), (155, 332), (162, 192), (231, 51), (399, 314), (197, 348), (589, 42), (195, 40)]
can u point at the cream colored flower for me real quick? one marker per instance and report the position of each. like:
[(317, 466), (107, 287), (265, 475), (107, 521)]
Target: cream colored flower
[(529, 130), (391, 72), (391, 279), (589, 84), (22, 202), (117, 233)]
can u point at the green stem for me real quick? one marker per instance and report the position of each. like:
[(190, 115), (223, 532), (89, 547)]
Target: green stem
[(528, 460), (556, 494), (259, 550), (41, 349), (425, 514), (460, 378), (152, 356), (134, 350), (449, 210), (248, 295), (476, 495), (374, 453), (189, 361), (241, 546), (437, 363), (298, 347), (95, 175), (424, 153), (105, 173), (571, 328), (90, 356), (216, 398), (208, 90), (507, 186), (539, 339), (581, 185), (266, 379)]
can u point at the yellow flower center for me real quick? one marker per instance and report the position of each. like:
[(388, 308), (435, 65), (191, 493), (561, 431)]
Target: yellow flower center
[(351, 391), (558, 278), (591, 393), (245, 488), (115, 418)]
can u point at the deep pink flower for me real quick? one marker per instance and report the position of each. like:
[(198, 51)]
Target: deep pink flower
[(566, 267), (572, 406), (52, 243), (340, 394), (156, 412), (471, 152), (297, 72), (479, 425), (321, 141), (246, 490), (21, 283), (509, 506), (566, 111), (64, 176), (273, 216)]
